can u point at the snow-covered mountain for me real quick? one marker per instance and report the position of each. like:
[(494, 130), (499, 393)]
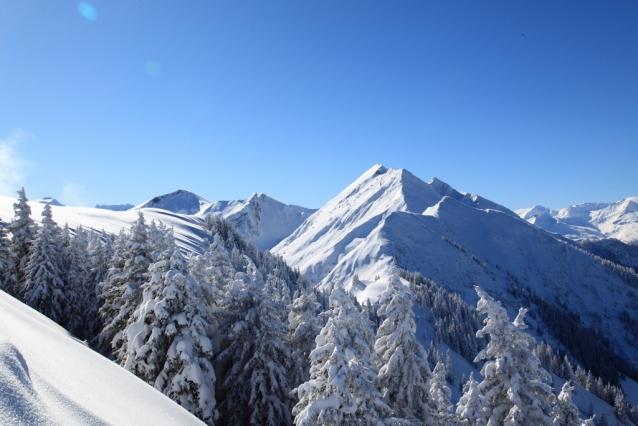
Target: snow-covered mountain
[(389, 215), (180, 201), (589, 221), (48, 377), (261, 219)]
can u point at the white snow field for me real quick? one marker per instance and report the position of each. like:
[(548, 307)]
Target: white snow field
[(50, 378), (390, 215), (589, 220)]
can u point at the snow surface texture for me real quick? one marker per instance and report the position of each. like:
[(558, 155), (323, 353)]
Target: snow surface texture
[(589, 220), (261, 219), (389, 215), (50, 378)]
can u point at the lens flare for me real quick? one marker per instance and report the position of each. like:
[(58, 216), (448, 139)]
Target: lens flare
[(152, 68), (87, 11)]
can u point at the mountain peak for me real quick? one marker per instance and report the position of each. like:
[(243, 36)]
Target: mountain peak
[(180, 201)]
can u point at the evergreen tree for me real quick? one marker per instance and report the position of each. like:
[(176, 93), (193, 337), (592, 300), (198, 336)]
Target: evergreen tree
[(471, 408), (565, 412), (5, 261), (121, 293), (270, 402), (213, 270), (620, 406), (23, 231), (343, 385), (402, 361), (77, 288), (439, 398), (98, 258), (513, 384), (167, 341), (304, 324), (44, 288)]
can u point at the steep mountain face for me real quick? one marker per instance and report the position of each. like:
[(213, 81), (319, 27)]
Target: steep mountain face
[(391, 216), (589, 220), (261, 219)]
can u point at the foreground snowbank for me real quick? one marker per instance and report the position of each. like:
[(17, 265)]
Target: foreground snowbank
[(48, 377)]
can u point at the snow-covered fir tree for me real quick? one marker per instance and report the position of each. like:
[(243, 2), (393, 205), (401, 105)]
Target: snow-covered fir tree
[(23, 230), (5, 260), (472, 406), (270, 402), (402, 361), (304, 323), (343, 385), (167, 337), (254, 363), (99, 254), (43, 288), (439, 404), (213, 270), (121, 293), (77, 288), (565, 412), (513, 378)]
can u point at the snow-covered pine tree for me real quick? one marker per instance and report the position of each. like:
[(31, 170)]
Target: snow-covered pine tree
[(471, 408), (268, 370), (213, 270), (77, 288), (402, 361), (23, 230), (304, 323), (159, 239), (565, 412), (5, 260), (343, 385), (439, 403), (621, 407), (121, 293), (237, 318), (98, 258), (167, 337), (43, 288), (513, 378)]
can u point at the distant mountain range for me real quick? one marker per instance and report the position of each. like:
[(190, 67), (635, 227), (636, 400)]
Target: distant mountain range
[(589, 221)]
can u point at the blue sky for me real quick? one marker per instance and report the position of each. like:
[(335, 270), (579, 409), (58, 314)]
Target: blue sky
[(522, 102)]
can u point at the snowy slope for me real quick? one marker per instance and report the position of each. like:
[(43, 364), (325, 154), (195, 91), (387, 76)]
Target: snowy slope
[(589, 220), (390, 215), (50, 378), (262, 219), (188, 229)]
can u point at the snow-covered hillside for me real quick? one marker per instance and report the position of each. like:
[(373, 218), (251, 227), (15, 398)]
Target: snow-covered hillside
[(188, 229), (390, 215), (589, 220), (261, 219), (50, 378)]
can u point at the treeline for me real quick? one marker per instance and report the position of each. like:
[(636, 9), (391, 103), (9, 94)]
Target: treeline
[(584, 343)]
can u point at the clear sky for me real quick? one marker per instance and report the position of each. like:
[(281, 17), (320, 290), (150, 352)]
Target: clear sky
[(116, 101)]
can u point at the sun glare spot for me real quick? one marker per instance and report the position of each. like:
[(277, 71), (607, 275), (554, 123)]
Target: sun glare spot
[(152, 68), (87, 11)]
